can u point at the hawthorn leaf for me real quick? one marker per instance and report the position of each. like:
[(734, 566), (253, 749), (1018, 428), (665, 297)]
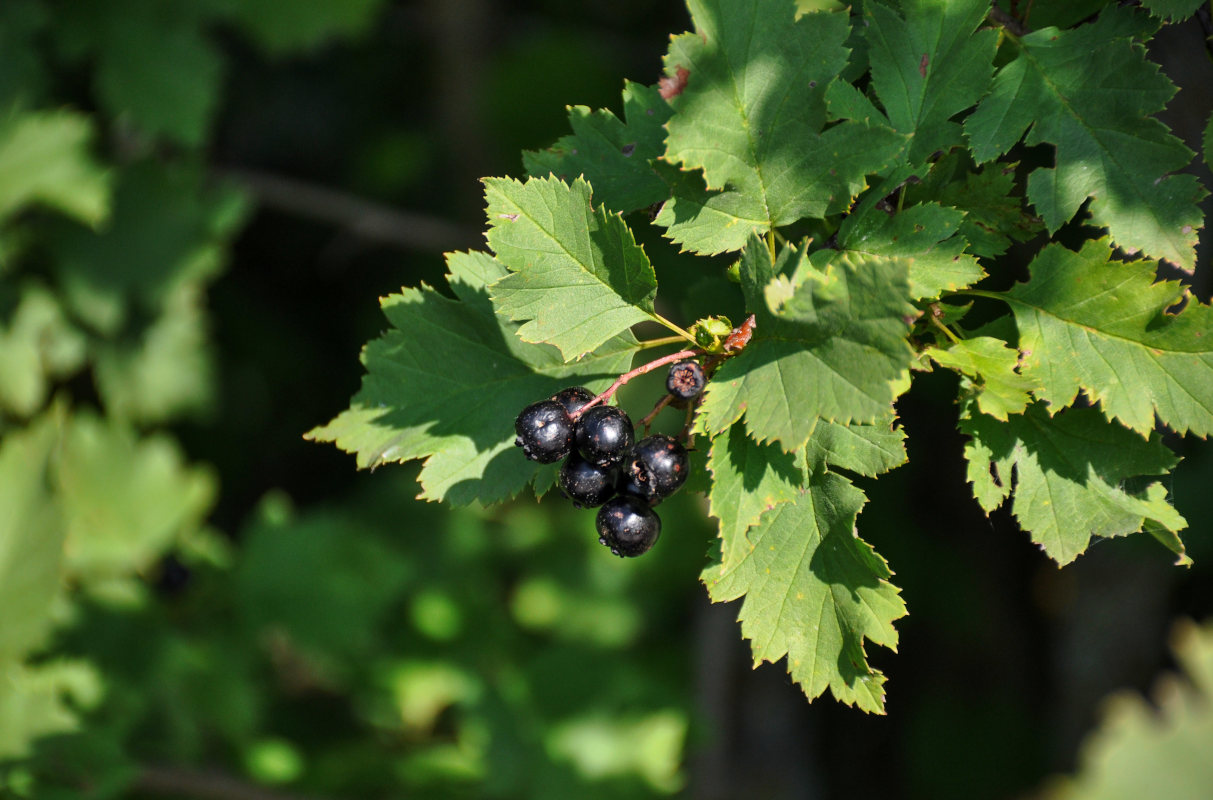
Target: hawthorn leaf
[(1069, 473), (43, 699), (993, 213), (1091, 93), (446, 381), (615, 157), (1172, 10), (1087, 323), (867, 450), (813, 592), (557, 246), (751, 115), (929, 64), (829, 344), (1156, 747), (44, 159), (924, 234), (990, 367), (748, 478)]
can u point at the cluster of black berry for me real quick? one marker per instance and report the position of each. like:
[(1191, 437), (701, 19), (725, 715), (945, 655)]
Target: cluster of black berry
[(604, 466)]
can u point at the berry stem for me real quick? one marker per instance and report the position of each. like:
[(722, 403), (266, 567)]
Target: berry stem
[(662, 342), (627, 376), (681, 333), (648, 420)]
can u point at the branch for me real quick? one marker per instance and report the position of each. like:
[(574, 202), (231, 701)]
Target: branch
[(361, 217), (178, 782)]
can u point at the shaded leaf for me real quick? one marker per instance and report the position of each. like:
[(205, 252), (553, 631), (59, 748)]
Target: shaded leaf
[(1091, 93), (615, 157), (546, 233), (446, 381), (748, 478), (928, 64), (1172, 10), (813, 592), (1086, 323), (1069, 476)]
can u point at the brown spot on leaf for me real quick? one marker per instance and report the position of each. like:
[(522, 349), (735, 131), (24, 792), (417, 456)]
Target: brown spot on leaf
[(671, 86), (922, 65)]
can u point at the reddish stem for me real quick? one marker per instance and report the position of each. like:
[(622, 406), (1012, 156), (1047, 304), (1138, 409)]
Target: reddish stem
[(627, 376), (662, 403)]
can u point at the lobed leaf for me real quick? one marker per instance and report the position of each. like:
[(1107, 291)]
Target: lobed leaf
[(1172, 10), (1091, 92), (751, 115), (616, 158), (829, 345), (867, 450), (928, 64), (1088, 324), (446, 381), (44, 159), (990, 365), (1069, 477), (556, 245), (813, 592), (748, 478)]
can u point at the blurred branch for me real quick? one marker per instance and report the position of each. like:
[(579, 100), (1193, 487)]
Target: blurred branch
[(358, 216), (204, 785)]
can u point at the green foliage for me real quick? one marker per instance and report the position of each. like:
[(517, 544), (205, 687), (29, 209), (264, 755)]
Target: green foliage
[(873, 171), (1158, 746)]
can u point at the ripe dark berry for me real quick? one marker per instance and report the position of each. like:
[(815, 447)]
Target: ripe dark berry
[(685, 380), (587, 485), (603, 435), (655, 469), (545, 432), (573, 398), (628, 526)]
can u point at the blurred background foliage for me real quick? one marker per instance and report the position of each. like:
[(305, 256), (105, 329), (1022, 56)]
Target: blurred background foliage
[(199, 203)]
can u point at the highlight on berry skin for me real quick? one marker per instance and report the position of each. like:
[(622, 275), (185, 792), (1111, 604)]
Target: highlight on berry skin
[(544, 432), (628, 526)]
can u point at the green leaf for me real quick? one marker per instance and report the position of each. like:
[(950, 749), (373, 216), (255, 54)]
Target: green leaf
[(1172, 10), (1103, 327), (751, 116), (446, 382), (42, 700), (23, 79), (748, 478), (1069, 472), (867, 450), (556, 245), (31, 537), (1156, 747), (924, 234), (929, 66), (1207, 142), (1091, 93), (281, 26), (126, 500), (615, 157), (833, 348), (994, 214), (990, 365), (44, 158), (813, 592), (37, 345)]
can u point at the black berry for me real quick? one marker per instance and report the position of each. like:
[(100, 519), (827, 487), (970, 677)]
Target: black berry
[(545, 432), (587, 485), (685, 380), (654, 470), (573, 398), (603, 435), (628, 526)]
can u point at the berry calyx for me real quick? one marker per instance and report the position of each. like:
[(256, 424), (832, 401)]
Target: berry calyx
[(685, 380), (573, 398), (544, 432), (603, 435), (655, 469), (628, 526), (587, 485)]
